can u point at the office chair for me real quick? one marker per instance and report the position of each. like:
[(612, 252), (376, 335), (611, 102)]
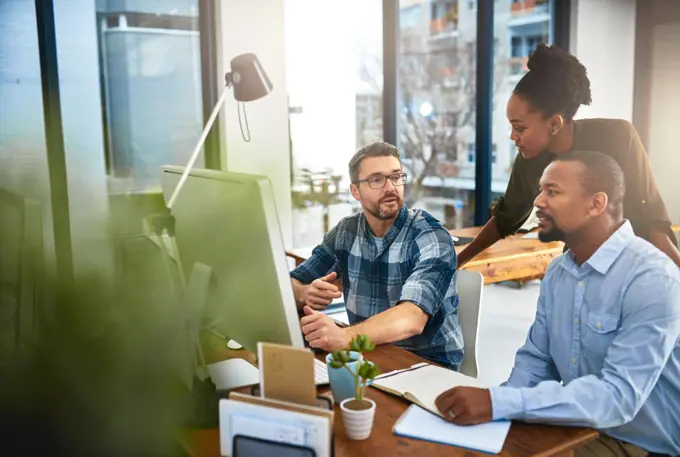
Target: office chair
[(470, 288)]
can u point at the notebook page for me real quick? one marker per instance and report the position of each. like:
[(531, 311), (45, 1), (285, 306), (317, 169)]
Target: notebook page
[(426, 383), (418, 423)]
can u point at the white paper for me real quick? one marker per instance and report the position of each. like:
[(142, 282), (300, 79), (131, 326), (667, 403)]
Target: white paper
[(420, 424), (233, 373)]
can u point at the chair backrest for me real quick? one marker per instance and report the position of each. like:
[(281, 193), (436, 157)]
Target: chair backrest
[(470, 287)]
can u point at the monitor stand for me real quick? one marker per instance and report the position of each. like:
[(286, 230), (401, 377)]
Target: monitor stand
[(230, 370)]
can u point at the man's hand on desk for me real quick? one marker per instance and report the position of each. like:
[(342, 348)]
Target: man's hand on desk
[(322, 333), (465, 405), (321, 292)]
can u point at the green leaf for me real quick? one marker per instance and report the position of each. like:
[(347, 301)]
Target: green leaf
[(368, 370), (362, 343), (336, 364)]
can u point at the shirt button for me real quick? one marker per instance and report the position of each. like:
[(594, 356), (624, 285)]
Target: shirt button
[(573, 360), (575, 321), (580, 283), (598, 325)]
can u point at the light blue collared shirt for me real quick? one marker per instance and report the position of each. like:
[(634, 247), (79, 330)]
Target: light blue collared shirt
[(609, 331)]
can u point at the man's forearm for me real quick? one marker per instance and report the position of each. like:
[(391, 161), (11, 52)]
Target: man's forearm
[(663, 243), (396, 324), (585, 402)]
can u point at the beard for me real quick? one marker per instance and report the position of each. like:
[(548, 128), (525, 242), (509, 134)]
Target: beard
[(551, 234), (385, 214)]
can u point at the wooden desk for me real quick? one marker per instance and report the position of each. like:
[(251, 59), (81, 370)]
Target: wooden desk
[(524, 440), (514, 258)]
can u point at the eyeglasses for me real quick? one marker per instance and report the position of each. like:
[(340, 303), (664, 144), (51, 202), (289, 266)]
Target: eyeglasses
[(379, 181)]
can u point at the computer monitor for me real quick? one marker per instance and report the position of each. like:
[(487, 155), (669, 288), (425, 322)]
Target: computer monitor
[(228, 221)]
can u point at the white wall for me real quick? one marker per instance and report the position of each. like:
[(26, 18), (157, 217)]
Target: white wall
[(665, 98), (603, 39), (258, 26)]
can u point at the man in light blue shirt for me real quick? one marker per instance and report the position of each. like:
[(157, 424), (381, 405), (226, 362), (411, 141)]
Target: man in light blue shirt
[(604, 350)]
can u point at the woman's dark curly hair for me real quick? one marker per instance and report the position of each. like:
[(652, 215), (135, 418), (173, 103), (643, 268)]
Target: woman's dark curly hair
[(556, 82)]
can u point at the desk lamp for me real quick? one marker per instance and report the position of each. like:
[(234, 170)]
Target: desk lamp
[(250, 82)]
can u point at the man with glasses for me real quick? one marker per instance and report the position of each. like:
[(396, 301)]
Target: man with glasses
[(397, 266)]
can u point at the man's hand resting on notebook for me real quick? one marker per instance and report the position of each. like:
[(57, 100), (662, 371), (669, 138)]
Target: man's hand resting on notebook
[(322, 332), (465, 405), (317, 295)]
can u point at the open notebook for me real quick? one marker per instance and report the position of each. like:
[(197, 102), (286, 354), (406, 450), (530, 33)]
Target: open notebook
[(422, 383)]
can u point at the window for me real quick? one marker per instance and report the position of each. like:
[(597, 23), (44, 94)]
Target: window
[(23, 151), (533, 42), (150, 81), (443, 16), (334, 78), (524, 26), (471, 152), (436, 107), (516, 48)]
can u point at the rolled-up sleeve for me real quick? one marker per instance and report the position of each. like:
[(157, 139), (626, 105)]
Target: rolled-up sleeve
[(322, 261), (434, 269)]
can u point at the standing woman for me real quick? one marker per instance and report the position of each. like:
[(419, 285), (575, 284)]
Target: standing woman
[(541, 112)]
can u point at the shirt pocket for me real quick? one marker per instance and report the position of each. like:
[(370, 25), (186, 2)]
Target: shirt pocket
[(599, 332)]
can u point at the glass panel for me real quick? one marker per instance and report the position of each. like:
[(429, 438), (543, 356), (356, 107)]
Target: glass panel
[(520, 27), (437, 106), (23, 163), (150, 77), (334, 75)]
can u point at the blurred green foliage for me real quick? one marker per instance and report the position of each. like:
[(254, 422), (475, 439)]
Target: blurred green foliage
[(106, 375)]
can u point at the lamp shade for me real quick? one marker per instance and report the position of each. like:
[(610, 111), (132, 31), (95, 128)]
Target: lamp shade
[(248, 78)]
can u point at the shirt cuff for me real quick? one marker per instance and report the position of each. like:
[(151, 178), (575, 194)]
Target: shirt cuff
[(302, 275), (419, 296), (506, 402)]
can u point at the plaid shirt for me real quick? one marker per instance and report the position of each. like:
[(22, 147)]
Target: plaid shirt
[(416, 263)]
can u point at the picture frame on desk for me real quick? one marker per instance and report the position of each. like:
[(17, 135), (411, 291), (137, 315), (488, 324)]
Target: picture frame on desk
[(275, 420)]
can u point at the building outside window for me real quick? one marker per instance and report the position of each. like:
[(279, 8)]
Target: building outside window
[(151, 88), (436, 124)]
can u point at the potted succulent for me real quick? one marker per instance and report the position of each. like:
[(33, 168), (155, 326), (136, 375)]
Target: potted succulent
[(357, 411)]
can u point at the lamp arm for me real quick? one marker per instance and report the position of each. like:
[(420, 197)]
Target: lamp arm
[(199, 145)]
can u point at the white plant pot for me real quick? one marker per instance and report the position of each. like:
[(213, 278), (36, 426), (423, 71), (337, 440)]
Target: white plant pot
[(358, 423)]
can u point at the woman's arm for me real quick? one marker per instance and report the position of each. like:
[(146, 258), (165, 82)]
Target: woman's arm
[(485, 238), (513, 209)]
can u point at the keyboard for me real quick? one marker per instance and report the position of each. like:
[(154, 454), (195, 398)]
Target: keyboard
[(320, 372)]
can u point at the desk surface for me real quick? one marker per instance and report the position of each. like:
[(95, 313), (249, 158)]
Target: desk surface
[(524, 440)]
